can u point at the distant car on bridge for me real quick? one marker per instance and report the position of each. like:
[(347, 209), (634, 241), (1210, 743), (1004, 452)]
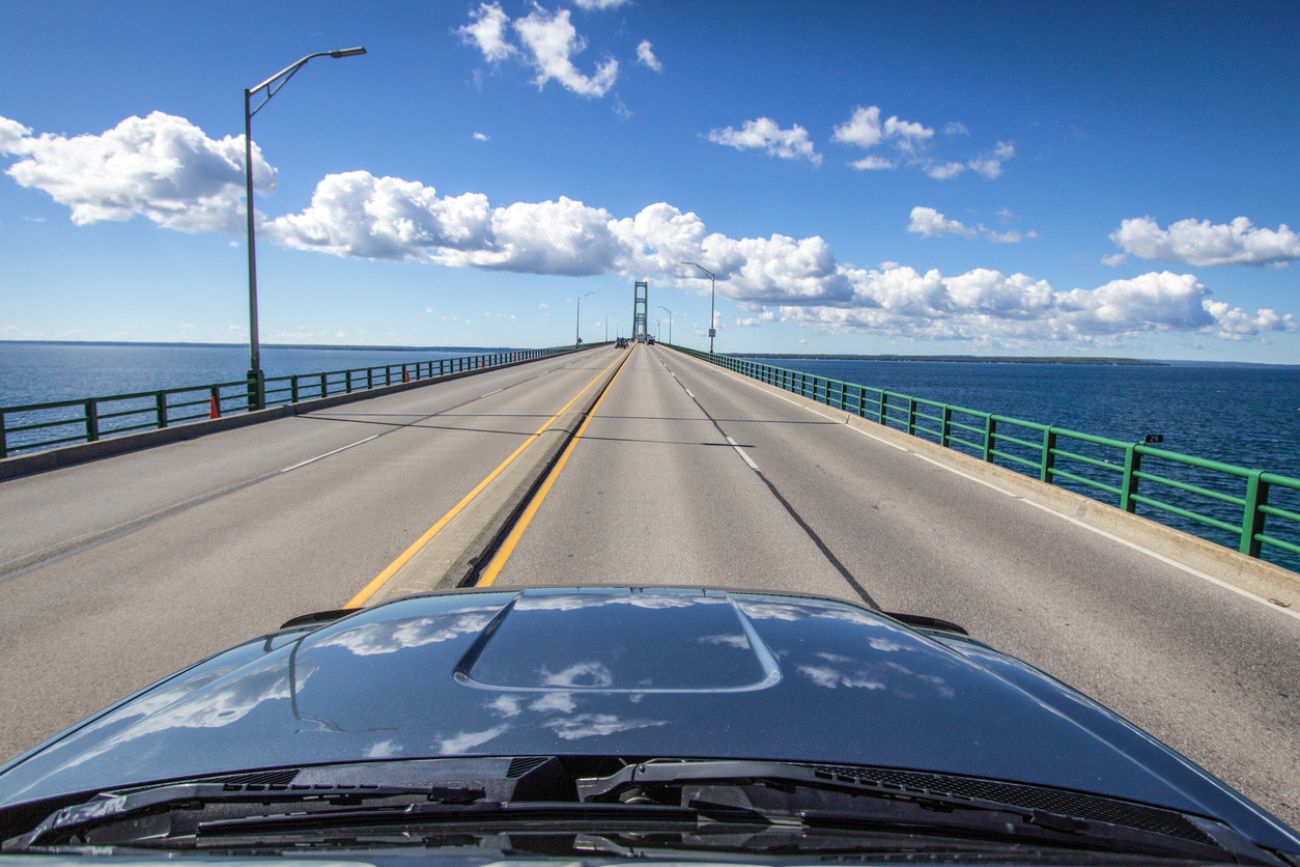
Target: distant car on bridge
[(599, 724)]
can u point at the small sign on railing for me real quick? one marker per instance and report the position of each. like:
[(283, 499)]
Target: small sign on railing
[(1153, 439)]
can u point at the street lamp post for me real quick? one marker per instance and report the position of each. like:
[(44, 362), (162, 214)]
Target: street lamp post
[(713, 332), (659, 326), (577, 322), (272, 85), (670, 323)]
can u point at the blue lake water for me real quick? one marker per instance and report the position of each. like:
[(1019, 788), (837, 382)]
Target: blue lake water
[(46, 372)]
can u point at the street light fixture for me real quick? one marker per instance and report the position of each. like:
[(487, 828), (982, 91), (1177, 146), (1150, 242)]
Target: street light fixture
[(670, 324), (272, 85), (577, 323), (713, 332)]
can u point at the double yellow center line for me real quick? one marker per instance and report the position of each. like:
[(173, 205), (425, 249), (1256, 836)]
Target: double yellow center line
[(392, 568), (488, 575)]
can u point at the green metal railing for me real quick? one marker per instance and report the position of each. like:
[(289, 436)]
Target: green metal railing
[(41, 426), (1256, 512)]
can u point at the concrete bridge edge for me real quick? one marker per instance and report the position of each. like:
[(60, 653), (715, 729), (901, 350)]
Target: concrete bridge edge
[(67, 456)]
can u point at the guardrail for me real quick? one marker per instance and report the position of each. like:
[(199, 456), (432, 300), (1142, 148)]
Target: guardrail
[(1255, 511), (94, 418)]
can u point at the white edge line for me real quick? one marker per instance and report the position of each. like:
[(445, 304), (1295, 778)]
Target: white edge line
[(327, 454), (753, 466), (492, 392), (1196, 573)]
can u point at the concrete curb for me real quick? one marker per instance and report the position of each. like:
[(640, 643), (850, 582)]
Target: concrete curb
[(1279, 586), (453, 556), (53, 459)]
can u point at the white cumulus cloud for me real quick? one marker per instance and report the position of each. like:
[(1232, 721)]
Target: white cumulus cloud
[(487, 32), (766, 135), (645, 55), (1200, 242), (551, 41), (988, 306), (599, 5), (930, 223), (161, 167), (861, 129)]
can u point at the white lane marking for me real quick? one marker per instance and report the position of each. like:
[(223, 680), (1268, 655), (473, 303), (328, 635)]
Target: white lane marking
[(688, 391), (327, 454), (753, 466), (492, 392), (1196, 573)]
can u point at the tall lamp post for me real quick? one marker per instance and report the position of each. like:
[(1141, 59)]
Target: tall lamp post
[(577, 322), (670, 323), (713, 332), (256, 377)]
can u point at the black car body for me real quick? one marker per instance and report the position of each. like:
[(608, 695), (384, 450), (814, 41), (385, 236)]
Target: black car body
[(628, 675)]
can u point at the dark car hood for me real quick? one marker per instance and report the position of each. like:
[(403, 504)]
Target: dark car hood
[(640, 672)]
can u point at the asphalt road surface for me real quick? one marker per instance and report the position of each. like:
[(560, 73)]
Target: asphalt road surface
[(117, 572), (654, 491)]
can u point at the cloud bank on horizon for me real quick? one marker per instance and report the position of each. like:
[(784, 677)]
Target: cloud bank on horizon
[(167, 170)]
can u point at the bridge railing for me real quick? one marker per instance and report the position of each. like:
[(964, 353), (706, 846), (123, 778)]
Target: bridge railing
[(64, 422), (1254, 511)]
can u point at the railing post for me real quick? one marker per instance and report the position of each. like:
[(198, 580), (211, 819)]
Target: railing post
[(844, 396), (442, 367), (862, 401), (1049, 458), (92, 420), (349, 378), (882, 414), (1252, 519), (945, 426), (370, 378), (4, 440), (990, 432), (160, 402), (293, 388), (324, 384), (1132, 463), (911, 416), (214, 402)]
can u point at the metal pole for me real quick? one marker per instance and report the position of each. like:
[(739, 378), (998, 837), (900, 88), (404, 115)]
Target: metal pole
[(272, 85), (713, 291), (713, 317), (670, 322), (577, 324), (256, 379)]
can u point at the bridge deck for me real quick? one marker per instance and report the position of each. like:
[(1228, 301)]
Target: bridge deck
[(116, 572)]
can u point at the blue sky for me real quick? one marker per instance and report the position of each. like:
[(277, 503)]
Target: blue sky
[(992, 178)]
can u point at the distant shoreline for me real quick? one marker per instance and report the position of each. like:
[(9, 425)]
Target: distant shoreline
[(980, 359)]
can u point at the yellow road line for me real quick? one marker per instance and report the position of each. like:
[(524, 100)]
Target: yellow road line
[(517, 531), (391, 569)]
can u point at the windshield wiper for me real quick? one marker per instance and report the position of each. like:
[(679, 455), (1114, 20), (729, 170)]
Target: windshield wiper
[(873, 800), (110, 810)]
